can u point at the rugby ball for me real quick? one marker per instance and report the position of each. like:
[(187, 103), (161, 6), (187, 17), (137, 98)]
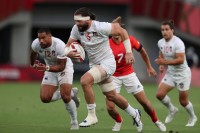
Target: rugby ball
[(79, 48)]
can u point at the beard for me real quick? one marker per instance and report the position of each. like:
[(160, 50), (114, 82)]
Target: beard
[(43, 46), (83, 27)]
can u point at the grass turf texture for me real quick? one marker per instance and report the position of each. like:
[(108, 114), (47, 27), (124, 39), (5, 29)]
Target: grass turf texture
[(21, 111)]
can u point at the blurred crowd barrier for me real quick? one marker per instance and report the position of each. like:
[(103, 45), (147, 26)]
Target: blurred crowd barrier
[(16, 73), (186, 15)]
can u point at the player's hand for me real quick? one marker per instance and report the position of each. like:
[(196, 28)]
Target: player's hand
[(161, 68), (41, 67), (129, 58), (73, 54), (151, 71), (160, 61), (36, 63)]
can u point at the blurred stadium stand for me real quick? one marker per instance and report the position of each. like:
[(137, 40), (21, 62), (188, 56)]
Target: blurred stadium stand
[(20, 19)]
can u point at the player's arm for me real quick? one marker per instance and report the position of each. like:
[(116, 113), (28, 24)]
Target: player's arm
[(161, 67), (179, 59), (61, 63), (145, 58), (33, 58), (118, 30)]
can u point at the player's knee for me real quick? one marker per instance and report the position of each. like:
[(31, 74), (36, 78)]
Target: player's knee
[(45, 99), (159, 96), (85, 81), (183, 102), (66, 98), (110, 96)]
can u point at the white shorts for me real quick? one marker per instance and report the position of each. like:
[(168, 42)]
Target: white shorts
[(130, 82), (58, 78), (180, 80)]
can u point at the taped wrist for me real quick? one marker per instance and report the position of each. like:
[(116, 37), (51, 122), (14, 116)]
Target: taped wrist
[(127, 45)]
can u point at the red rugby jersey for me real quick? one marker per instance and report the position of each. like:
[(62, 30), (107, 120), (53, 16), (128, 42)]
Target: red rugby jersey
[(119, 53)]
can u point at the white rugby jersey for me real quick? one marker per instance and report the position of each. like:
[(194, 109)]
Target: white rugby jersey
[(95, 41), (169, 49), (51, 53)]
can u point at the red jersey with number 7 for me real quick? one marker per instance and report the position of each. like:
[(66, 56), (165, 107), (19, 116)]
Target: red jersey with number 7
[(119, 53)]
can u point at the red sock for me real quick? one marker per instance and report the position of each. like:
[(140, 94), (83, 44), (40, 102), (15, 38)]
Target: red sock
[(118, 118), (153, 116)]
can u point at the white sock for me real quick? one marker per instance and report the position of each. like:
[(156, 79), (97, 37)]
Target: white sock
[(167, 102), (190, 110), (91, 109), (131, 111), (56, 96), (71, 108), (72, 93)]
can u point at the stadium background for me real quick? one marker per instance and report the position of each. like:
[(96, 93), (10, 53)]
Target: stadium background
[(21, 110), (20, 19)]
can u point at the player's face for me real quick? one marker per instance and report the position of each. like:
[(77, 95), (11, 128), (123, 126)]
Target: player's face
[(167, 32), (117, 39), (44, 39), (82, 25)]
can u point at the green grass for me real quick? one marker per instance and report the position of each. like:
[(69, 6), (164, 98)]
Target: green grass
[(21, 111)]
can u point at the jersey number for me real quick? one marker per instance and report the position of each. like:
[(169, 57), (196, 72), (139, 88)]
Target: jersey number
[(49, 53), (120, 57)]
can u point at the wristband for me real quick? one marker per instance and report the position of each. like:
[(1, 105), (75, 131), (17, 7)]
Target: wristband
[(127, 45), (47, 68)]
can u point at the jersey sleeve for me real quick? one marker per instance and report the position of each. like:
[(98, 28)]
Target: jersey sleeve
[(135, 44), (104, 28), (180, 47), (61, 50), (34, 45), (74, 33)]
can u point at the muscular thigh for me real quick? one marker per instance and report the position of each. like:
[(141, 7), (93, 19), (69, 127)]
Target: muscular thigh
[(46, 91), (98, 73)]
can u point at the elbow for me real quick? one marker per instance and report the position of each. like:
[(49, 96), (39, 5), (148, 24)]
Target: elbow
[(180, 62)]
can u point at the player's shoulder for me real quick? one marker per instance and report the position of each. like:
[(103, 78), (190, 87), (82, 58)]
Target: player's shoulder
[(161, 41), (35, 42), (98, 24), (177, 39), (57, 41)]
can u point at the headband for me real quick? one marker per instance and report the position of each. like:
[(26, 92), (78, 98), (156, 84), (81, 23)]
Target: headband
[(79, 17)]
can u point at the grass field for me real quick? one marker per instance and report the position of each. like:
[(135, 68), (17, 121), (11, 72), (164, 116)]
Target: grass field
[(21, 111)]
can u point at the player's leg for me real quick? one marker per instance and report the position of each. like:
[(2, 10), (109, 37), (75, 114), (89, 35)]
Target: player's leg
[(46, 92), (164, 87), (74, 94), (183, 87), (112, 111), (133, 86), (110, 93), (65, 81), (141, 98), (183, 98), (65, 90), (87, 80), (110, 106), (48, 87)]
